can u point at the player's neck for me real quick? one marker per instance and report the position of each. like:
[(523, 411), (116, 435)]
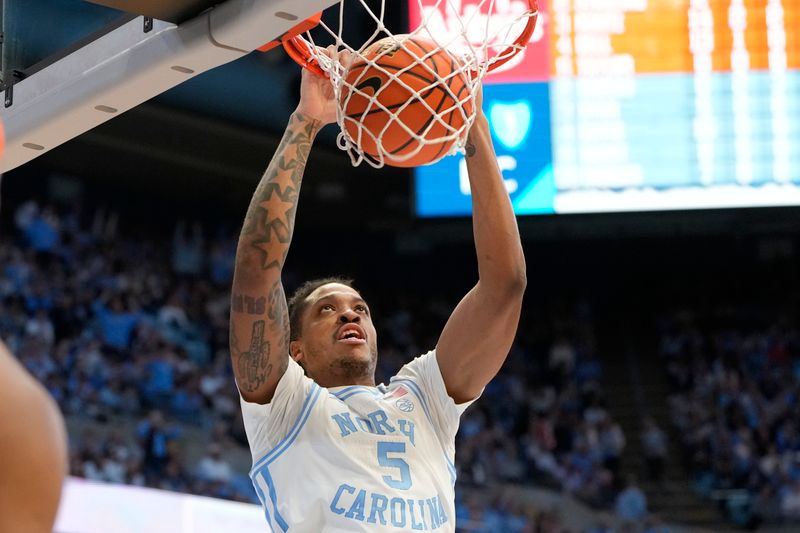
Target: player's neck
[(331, 381)]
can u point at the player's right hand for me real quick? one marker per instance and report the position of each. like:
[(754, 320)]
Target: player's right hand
[(317, 98)]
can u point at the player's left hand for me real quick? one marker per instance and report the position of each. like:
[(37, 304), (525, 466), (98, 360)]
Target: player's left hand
[(478, 101), (479, 98)]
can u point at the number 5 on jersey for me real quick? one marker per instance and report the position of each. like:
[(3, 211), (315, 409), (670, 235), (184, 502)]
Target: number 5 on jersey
[(384, 449)]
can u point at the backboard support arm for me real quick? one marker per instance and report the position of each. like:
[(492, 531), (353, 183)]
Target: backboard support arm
[(128, 65)]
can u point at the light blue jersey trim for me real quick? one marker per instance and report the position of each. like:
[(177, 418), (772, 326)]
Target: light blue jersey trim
[(357, 389), (345, 390), (260, 494), (262, 466), (375, 394), (274, 498), (313, 395), (452, 469)]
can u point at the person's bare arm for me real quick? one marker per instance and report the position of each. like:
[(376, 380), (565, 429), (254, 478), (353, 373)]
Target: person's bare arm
[(477, 337), (33, 451), (259, 333)]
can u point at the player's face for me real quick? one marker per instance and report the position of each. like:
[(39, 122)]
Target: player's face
[(338, 342)]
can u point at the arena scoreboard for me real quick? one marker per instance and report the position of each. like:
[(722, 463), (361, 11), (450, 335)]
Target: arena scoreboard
[(637, 105)]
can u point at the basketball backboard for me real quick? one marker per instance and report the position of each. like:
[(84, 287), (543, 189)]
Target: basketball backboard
[(70, 65)]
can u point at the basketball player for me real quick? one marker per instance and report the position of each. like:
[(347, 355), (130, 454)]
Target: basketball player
[(332, 451), (33, 451)]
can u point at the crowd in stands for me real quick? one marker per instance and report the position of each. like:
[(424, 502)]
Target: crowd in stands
[(736, 382), (120, 329), (544, 420)]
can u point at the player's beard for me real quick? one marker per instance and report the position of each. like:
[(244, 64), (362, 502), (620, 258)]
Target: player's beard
[(351, 368), (333, 366)]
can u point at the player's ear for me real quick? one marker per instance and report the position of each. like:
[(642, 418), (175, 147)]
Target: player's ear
[(296, 351)]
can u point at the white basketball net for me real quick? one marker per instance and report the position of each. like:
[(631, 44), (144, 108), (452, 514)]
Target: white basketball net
[(478, 33)]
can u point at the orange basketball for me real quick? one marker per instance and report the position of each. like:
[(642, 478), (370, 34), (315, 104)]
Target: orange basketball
[(424, 73)]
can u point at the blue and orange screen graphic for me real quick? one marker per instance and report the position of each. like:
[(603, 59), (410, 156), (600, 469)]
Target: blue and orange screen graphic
[(638, 105)]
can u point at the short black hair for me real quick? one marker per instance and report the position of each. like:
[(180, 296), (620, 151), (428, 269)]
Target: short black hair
[(297, 303)]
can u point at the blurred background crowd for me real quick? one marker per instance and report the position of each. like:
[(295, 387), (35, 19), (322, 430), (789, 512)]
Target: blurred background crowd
[(130, 336), (735, 377)]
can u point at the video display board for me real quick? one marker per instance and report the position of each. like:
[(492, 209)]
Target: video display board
[(638, 105)]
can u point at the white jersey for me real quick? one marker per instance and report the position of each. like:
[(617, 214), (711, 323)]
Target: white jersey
[(357, 458)]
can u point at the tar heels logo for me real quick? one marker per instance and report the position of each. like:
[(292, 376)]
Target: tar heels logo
[(511, 122), (405, 405)]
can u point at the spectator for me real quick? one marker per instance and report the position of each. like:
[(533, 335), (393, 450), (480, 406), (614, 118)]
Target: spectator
[(790, 502), (155, 437), (116, 323), (187, 251), (213, 467), (654, 443), (562, 359), (25, 214), (174, 477), (17, 272), (221, 262), (41, 327), (172, 314), (159, 376), (43, 232), (612, 444), (631, 505)]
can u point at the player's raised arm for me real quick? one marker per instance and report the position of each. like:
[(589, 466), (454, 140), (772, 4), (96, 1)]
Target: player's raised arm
[(479, 333), (259, 335)]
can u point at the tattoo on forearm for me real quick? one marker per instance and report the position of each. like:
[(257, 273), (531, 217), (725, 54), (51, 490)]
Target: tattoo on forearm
[(470, 148), (269, 224), (253, 365), (265, 239), (277, 303), (251, 305), (279, 316)]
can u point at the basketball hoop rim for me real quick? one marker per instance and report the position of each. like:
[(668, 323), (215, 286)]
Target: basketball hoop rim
[(299, 49)]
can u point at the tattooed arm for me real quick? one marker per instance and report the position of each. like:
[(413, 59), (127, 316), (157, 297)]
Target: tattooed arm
[(259, 335), (479, 333)]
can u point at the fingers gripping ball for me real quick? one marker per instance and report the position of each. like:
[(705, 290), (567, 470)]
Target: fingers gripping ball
[(413, 118)]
